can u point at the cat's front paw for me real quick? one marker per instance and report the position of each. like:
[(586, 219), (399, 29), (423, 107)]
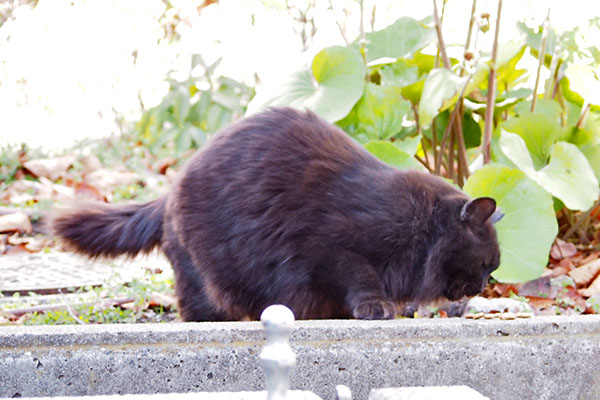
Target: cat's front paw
[(375, 309)]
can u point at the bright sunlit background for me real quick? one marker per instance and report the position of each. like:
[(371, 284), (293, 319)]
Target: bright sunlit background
[(72, 69)]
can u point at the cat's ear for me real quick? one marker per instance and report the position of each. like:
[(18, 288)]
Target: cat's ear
[(478, 210)]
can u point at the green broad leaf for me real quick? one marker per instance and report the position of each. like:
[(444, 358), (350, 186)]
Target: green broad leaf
[(400, 74), (378, 114), (183, 141), (513, 146), (440, 122), (330, 88), (529, 226), (583, 80), (516, 94), (181, 104), (409, 145), (399, 40), (471, 131), (591, 151), (550, 108), (392, 155), (533, 39), (508, 76), (441, 90), (539, 131), (509, 54), (414, 91), (568, 176), (588, 141), (197, 135), (426, 62)]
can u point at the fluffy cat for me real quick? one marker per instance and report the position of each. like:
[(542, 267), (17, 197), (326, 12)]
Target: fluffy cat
[(283, 207)]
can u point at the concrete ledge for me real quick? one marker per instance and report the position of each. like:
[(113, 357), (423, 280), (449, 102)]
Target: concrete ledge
[(537, 358)]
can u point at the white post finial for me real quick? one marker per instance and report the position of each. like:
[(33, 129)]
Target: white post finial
[(343, 392), (277, 357)]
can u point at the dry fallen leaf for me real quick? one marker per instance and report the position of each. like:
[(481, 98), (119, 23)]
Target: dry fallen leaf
[(539, 302), (161, 299), (106, 180), (15, 222), (561, 249), (591, 290), (52, 168), (589, 258), (540, 287), (10, 249), (82, 189), (583, 275), (559, 270), (504, 289), (90, 163)]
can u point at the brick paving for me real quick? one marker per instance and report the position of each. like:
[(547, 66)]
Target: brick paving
[(47, 273)]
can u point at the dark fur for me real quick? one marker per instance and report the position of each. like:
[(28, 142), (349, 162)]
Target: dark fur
[(283, 207)]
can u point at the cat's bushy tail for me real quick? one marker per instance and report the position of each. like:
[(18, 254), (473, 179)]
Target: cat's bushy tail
[(104, 230)]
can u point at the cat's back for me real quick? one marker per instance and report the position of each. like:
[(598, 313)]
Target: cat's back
[(275, 137)]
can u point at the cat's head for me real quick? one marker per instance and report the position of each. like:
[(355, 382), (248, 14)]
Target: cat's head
[(461, 261)]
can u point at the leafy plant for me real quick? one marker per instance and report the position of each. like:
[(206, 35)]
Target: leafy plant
[(191, 110), (414, 109)]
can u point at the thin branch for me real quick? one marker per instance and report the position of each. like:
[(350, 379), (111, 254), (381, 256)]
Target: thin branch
[(453, 134), (373, 12), (434, 143), (471, 23), (70, 310), (450, 124), (363, 41), (491, 96), (575, 225), (463, 168), (549, 88), (340, 27), (541, 56), (438, 161), (463, 165), (585, 108), (425, 163), (438, 29)]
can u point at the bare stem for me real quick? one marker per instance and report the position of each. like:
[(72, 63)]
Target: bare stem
[(438, 160), (363, 41), (438, 29), (554, 65), (451, 145), (541, 56), (463, 166), (70, 310), (471, 23), (340, 27), (434, 144), (585, 108), (373, 13), (424, 163), (491, 96)]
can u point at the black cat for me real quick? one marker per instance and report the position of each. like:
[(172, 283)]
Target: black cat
[(283, 207)]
